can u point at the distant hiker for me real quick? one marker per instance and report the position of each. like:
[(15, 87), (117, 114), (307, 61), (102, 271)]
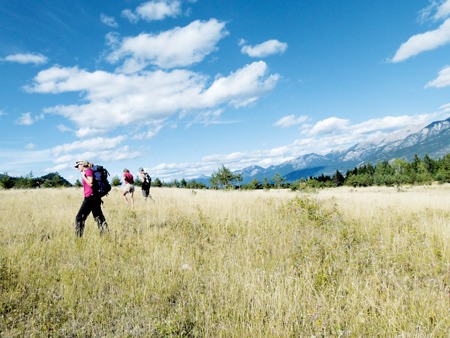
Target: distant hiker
[(129, 186), (146, 183), (92, 202)]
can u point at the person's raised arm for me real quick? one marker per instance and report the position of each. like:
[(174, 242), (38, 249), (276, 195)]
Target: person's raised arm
[(88, 179)]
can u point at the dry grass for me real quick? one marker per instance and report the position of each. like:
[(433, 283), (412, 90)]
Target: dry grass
[(340, 262)]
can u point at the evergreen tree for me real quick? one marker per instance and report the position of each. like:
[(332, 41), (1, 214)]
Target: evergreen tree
[(253, 185), (183, 183), (430, 164), (116, 181), (443, 172), (266, 184), (338, 179), (157, 183), (196, 185), (278, 180), (223, 178), (6, 182), (137, 181)]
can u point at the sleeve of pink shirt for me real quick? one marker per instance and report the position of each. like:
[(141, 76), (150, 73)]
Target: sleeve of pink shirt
[(87, 188)]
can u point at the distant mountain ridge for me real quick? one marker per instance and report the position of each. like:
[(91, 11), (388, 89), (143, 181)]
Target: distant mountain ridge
[(432, 140)]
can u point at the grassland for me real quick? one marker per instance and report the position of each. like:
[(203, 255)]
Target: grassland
[(337, 262)]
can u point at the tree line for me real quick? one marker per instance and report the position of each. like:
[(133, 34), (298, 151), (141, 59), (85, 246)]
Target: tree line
[(397, 172), (51, 180)]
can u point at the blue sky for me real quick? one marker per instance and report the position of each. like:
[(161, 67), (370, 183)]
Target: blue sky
[(181, 87)]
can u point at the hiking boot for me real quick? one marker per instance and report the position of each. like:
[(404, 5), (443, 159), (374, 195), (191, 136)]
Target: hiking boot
[(102, 225), (105, 228), (79, 229)]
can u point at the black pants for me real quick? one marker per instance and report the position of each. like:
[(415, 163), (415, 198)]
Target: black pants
[(145, 190), (90, 204)]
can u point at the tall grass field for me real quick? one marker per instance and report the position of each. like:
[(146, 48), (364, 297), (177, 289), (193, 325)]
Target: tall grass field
[(336, 262)]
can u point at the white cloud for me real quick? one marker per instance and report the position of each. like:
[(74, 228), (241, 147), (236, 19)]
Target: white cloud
[(437, 10), (37, 59), (57, 168), (423, 42), (264, 49), (242, 87), (101, 143), (89, 131), (389, 123), (179, 47), (11, 160), (108, 20), (26, 119), (157, 10), (443, 79), (153, 130), (146, 100), (208, 117), (445, 108), (290, 120), (114, 100), (169, 171), (331, 125), (62, 128), (94, 155), (336, 134), (119, 100), (234, 161), (100, 149), (443, 11), (130, 15)]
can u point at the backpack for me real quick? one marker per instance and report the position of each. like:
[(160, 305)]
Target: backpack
[(147, 181), (101, 185), (128, 178)]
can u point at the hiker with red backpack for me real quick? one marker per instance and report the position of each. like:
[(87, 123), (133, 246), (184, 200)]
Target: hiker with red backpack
[(129, 186), (92, 201)]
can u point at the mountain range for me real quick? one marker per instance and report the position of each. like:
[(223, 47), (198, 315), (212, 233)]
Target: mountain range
[(432, 140)]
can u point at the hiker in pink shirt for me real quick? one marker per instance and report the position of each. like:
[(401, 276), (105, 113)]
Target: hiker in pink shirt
[(91, 203)]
